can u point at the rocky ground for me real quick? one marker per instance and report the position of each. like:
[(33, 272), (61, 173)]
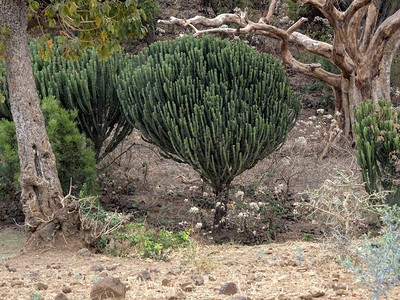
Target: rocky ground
[(292, 270)]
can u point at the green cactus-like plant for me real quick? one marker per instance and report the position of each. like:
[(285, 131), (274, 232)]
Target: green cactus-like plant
[(378, 145), (218, 106), (86, 85)]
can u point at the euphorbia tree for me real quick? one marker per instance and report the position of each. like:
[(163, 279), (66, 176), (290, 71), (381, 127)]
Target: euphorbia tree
[(90, 23), (363, 47), (219, 106)]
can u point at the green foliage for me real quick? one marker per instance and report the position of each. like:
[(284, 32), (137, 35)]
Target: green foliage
[(395, 71), (378, 268), (9, 161), (379, 147), (217, 105), (295, 11), (101, 24), (149, 243), (75, 158), (87, 85), (35, 295)]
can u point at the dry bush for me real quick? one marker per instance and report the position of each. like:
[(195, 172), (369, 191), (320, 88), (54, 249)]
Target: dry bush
[(342, 209)]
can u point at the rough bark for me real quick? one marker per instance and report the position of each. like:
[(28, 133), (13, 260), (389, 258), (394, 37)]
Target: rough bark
[(362, 49), (41, 195)]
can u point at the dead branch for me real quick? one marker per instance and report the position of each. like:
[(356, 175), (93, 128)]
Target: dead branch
[(286, 36)]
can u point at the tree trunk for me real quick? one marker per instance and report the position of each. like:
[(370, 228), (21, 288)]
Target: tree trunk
[(221, 210), (41, 190)]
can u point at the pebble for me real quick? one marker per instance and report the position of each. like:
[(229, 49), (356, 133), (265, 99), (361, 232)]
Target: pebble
[(61, 296), (144, 276), (229, 288), (66, 289), (11, 268), (187, 287), (84, 252), (198, 280), (17, 283), (167, 282), (97, 268), (42, 286)]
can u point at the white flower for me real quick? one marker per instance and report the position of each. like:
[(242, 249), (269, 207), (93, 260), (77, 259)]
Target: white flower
[(260, 204), (338, 113), (239, 195), (194, 210), (186, 200), (254, 205), (301, 140), (312, 118), (198, 225), (320, 111), (242, 215), (328, 116), (205, 194), (217, 204), (308, 123), (193, 188), (317, 126)]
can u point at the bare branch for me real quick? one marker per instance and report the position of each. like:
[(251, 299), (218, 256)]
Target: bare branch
[(217, 21), (327, 8), (271, 10), (369, 26), (353, 8), (382, 36), (261, 28), (313, 46), (296, 25)]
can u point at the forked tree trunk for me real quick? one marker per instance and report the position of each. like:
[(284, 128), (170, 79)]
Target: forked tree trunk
[(41, 190)]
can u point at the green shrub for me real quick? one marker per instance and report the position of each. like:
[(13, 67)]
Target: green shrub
[(379, 148), (378, 266), (86, 85), (149, 243), (9, 161), (219, 106), (74, 154)]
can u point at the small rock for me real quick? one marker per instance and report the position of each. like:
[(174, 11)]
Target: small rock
[(229, 288), (341, 293), (187, 287), (3, 284), (66, 289), (84, 252), (198, 280), (306, 297), (167, 282), (339, 287), (144, 276), (42, 286), (109, 287), (97, 268), (17, 283), (211, 278), (112, 268), (103, 274), (61, 296), (318, 294), (238, 298), (11, 268), (176, 296)]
